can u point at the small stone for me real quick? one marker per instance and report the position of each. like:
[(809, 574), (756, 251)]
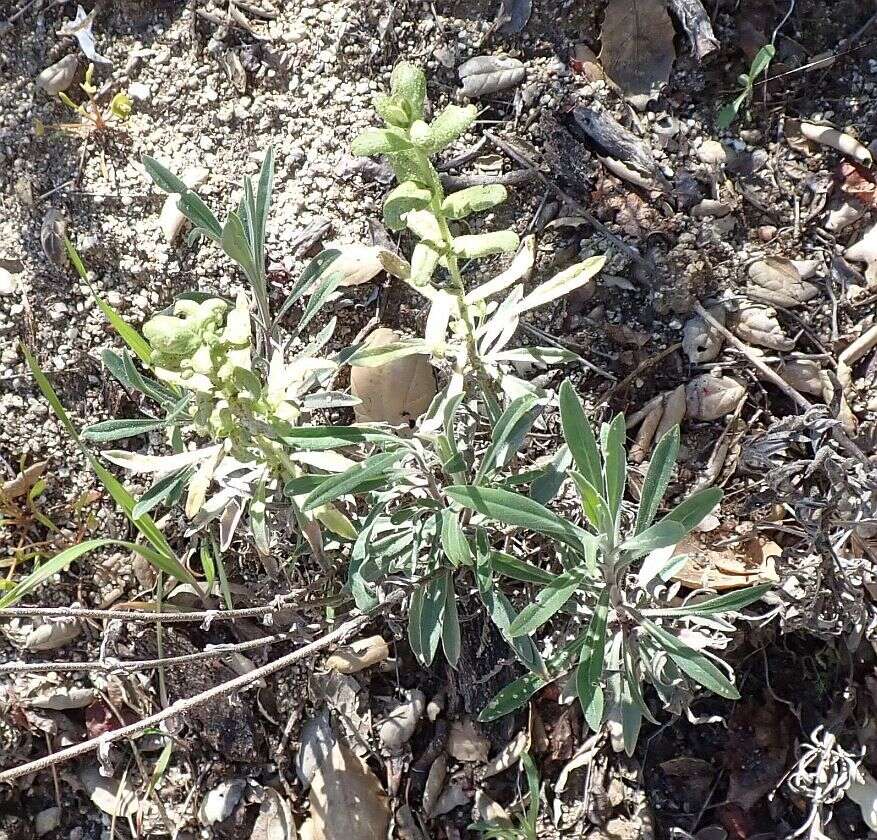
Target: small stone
[(139, 91), (59, 76), (708, 207), (712, 152), (8, 282), (46, 821), (205, 141), (767, 232)]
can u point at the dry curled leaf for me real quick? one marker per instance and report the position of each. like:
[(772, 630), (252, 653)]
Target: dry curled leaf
[(759, 325), (275, 821), (397, 392), (858, 181), (400, 724), (708, 397), (637, 47), (108, 794), (804, 375), (865, 250), (347, 801), (487, 74), (357, 263), (777, 280), (358, 655), (466, 742), (730, 567), (59, 76), (700, 341), (435, 782), (23, 482), (52, 233)]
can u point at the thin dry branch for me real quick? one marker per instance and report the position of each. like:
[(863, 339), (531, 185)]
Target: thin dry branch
[(340, 634), (112, 665)]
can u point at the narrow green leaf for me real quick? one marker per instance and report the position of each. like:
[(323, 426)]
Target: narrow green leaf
[(139, 346), (263, 207), (61, 561), (508, 435), (108, 430), (237, 247), (590, 669), (162, 177), (258, 522), (694, 664), (514, 509), (451, 623), (346, 482), (512, 697), (579, 435), (432, 618), (517, 569), (380, 355), (318, 438), (319, 297), (729, 602), (657, 478), (122, 368), (547, 485), (200, 215), (415, 611), (454, 542), (309, 277), (692, 511), (660, 535), (547, 603), (615, 464), (163, 489), (593, 503)]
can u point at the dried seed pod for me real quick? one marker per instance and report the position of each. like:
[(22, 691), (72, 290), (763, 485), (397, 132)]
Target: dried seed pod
[(778, 281)]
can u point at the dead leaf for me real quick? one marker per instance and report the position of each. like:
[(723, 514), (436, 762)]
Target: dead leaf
[(452, 797), (52, 233), (709, 397), (357, 263), (858, 181), (759, 325), (865, 250), (777, 280), (507, 756), (234, 69), (863, 791), (397, 392), (274, 821), (435, 782), (400, 724), (59, 76), (466, 742), (50, 635), (219, 803), (637, 47), (487, 74), (701, 342), (108, 794), (358, 655), (347, 801), (317, 741), (22, 483), (731, 567)]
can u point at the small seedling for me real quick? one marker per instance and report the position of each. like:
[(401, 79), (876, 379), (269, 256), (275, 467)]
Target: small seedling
[(747, 81), (524, 826), (93, 117)]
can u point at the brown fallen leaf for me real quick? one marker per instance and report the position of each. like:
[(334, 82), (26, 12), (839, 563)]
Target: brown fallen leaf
[(23, 482), (358, 655), (778, 281), (759, 325), (732, 567), (347, 801), (858, 181), (709, 397), (397, 392), (637, 47)]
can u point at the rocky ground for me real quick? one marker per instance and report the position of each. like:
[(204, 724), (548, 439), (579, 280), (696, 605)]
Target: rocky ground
[(738, 219)]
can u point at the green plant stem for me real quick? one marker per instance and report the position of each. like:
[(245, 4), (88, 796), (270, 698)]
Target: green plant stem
[(458, 289)]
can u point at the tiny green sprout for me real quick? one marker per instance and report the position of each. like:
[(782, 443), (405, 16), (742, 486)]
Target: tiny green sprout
[(758, 67), (121, 105)]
